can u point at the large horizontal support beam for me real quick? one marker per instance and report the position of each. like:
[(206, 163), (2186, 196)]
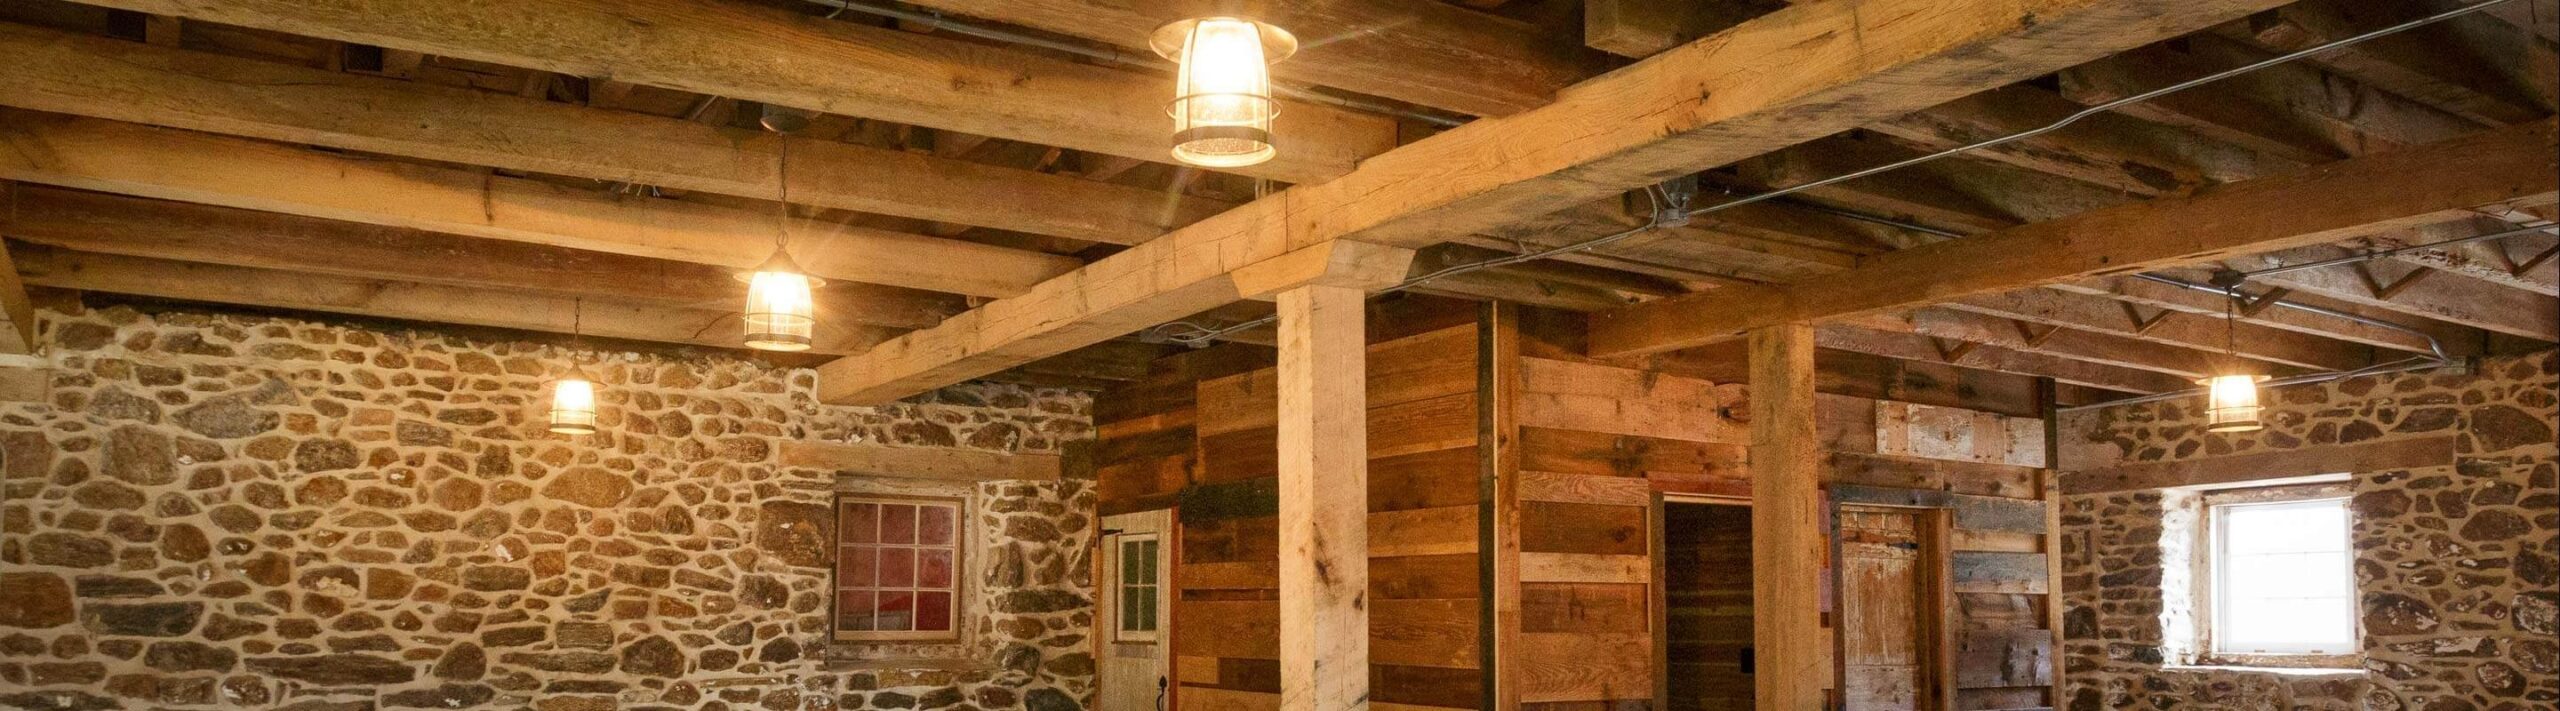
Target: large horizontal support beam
[(1794, 75), (1424, 52), (2333, 202), (430, 303), (752, 51), (188, 232), (170, 164), (140, 83)]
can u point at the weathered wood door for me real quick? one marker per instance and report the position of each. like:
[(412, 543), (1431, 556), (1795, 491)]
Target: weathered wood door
[(1887, 561), (1136, 612)]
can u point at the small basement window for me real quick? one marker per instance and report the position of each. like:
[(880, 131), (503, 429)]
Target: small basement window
[(2281, 580), (897, 568)]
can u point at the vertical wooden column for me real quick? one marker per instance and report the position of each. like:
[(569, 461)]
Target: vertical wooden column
[(1324, 492), (1787, 546)]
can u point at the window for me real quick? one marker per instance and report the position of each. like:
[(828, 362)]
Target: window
[(897, 568), (1139, 588), (2281, 585)]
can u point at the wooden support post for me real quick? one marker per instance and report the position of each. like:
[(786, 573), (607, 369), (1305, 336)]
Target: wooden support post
[(1324, 475), (1786, 522)]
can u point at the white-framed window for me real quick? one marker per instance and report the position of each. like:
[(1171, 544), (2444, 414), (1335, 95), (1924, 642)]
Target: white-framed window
[(2279, 577), (1138, 587)]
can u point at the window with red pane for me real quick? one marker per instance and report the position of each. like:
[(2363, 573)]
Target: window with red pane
[(897, 568)]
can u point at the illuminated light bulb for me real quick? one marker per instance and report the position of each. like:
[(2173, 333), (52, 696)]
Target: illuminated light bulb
[(573, 404), (1222, 106), (2231, 403), (781, 313)]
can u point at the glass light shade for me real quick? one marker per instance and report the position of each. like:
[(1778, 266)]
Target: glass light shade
[(1222, 106), (573, 404), (781, 312), (2231, 403)]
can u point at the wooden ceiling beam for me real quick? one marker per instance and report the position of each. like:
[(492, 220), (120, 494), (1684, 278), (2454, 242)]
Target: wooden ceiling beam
[(2179, 328), (1422, 52), (2414, 290), (106, 78), (2180, 299), (2294, 111), (170, 164), (1916, 347), (1642, 28), (2435, 183), (187, 232), (1812, 70), (752, 51), (2475, 66), (407, 301), (2056, 341), (2506, 261), (2107, 150)]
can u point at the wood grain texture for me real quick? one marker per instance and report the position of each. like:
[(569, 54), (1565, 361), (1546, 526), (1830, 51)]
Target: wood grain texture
[(96, 76), (919, 462), (2378, 455), (777, 56), (1324, 532), (1787, 541), (1702, 105), (108, 156)]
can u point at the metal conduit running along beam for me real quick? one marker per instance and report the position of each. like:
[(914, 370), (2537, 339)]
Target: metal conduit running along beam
[(1670, 208)]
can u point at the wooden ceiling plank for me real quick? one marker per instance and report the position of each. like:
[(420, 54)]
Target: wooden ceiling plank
[(2338, 201), (1917, 347), (187, 232), (2294, 111), (170, 164), (2475, 66), (745, 50), (2107, 150), (433, 303), (2177, 299), (2101, 315), (101, 77), (2083, 346), (1794, 75), (2407, 289), (1642, 28), (1422, 52)]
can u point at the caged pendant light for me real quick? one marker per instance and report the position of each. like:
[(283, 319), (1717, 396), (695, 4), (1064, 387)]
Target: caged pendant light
[(573, 395), (2231, 398), (781, 313), (1222, 106)]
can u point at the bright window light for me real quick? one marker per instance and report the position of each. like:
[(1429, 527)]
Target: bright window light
[(2283, 578)]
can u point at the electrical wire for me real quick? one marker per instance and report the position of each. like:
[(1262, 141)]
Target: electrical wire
[(1662, 218)]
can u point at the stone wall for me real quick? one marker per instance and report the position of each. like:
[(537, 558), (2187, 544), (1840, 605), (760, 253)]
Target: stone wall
[(2458, 566), (206, 510)]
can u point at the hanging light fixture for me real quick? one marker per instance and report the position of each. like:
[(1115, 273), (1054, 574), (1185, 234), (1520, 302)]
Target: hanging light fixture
[(2231, 398), (1222, 105), (573, 396), (781, 314)]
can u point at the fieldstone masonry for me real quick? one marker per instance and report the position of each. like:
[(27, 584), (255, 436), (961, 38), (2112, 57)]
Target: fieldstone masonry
[(2458, 566), (206, 510)]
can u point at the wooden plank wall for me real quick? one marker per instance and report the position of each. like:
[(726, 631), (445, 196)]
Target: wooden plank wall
[(1707, 597), (1213, 456)]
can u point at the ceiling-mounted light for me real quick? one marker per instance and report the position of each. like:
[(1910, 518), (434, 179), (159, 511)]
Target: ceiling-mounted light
[(1222, 105), (2231, 403), (2231, 398), (573, 395), (781, 313)]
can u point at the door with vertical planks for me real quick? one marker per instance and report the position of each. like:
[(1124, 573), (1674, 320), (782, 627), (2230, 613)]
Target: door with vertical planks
[(1885, 568), (1135, 673)]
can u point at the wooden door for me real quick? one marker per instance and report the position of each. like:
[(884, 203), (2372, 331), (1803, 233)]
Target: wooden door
[(1136, 612), (1888, 614)]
